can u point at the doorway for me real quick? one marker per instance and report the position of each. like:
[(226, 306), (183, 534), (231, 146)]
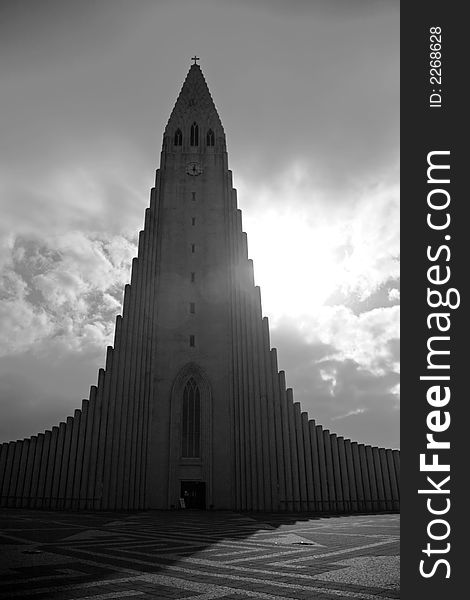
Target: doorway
[(194, 494)]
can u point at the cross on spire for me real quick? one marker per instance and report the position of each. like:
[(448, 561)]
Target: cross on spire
[(195, 58)]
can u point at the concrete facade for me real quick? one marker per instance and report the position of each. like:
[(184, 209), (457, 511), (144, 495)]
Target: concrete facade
[(190, 408)]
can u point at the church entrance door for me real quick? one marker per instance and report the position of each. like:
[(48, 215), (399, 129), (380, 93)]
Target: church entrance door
[(194, 494)]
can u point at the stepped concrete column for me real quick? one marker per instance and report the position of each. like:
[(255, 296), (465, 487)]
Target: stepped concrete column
[(28, 475), (41, 493), (386, 479), (308, 462), (21, 473), (351, 475), (286, 436), (124, 485), (380, 479), (344, 475), (7, 474), (14, 473), (337, 472), (271, 412), (57, 465), (281, 443), (70, 474), (301, 457), (329, 470), (79, 456), (315, 466), (372, 479), (365, 477), (85, 489), (95, 484), (3, 463), (293, 447), (65, 463), (396, 462), (326, 506), (393, 480), (38, 460), (358, 477)]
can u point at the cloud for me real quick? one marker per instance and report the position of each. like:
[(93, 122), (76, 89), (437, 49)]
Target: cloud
[(318, 249), (368, 338), (354, 399), (351, 413), (60, 295), (93, 197), (67, 287), (344, 369)]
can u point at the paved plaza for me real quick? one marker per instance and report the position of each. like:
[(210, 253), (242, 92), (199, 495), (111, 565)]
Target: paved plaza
[(197, 555)]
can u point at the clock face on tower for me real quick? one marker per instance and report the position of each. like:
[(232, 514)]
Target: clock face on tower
[(193, 168)]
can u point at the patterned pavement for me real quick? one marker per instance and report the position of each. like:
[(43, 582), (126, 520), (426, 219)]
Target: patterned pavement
[(197, 555)]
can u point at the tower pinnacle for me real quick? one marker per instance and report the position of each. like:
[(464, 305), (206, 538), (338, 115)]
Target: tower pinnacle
[(194, 105)]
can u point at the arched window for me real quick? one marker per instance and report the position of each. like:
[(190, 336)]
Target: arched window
[(210, 138), (191, 426), (194, 136), (178, 138)]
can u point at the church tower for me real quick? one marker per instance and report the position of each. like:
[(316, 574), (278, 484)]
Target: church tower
[(191, 410), (192, 399)]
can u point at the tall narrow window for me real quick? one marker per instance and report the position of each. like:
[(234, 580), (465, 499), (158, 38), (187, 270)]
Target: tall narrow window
[(193, 277), (192, 308), (193, 196), (194, 136), (193, 221), (178, 138), (191, 425), (192, 341), (193, 248), (210, 138)]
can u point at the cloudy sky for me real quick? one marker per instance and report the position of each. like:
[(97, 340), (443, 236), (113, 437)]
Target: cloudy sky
[(308, 94)]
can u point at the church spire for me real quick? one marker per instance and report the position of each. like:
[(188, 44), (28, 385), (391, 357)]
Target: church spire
[(191, 400), (194, 105)]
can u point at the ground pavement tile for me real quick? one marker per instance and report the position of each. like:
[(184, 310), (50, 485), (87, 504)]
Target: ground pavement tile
[(197, 555)]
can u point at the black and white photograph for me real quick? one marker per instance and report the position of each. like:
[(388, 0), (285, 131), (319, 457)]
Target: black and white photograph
[(200, 300)]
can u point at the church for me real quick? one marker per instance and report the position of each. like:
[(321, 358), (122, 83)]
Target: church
[(191, 410)]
